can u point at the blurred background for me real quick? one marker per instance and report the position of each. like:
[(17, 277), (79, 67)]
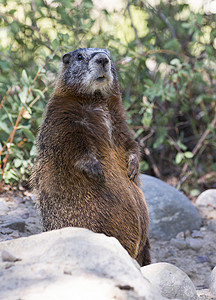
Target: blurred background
[(164, 52)]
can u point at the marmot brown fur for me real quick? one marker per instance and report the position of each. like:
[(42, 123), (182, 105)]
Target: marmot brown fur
[(86, 170)]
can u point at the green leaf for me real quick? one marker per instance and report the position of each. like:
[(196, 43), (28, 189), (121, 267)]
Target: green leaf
[(39, 92), (139, 131), (27, 133), (17, 163), (8, 114), (33, 151), (146, 121), (55, 44), (194, 192), (23, 94), (158, 141), (14, 27), (188, 154), (143, 166), (179, 157), (181, 145), (186, 25), (4, 127), (88, 4), (175, 62), (12, 11), (24, 78), (11, 174)]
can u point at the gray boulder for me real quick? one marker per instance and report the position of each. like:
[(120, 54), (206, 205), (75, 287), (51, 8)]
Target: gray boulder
[(171, 281), (170, 211), (71, 263)]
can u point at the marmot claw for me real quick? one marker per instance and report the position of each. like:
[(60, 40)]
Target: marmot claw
[(132, 166)]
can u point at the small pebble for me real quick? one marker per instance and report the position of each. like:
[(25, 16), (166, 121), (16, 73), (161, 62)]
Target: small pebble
[(67, 272), (212, 225), (183, 235), (6, 230), (15, 235), (25, 216), (169, 253), (19, 200), (33, 197), (180, 235), (8, 256), (194, 244), (179, 243), (197, 234), (202, 259)]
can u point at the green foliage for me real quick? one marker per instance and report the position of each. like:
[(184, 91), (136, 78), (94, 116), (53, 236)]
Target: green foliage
[(165, 57)]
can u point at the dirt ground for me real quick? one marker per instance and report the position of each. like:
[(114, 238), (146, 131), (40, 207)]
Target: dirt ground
[(193, 252)]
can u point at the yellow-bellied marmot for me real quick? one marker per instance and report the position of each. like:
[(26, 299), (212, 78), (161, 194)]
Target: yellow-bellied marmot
[(86, 170)]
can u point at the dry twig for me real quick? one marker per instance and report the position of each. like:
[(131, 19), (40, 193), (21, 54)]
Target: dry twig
[(184, 172), (154, 166)]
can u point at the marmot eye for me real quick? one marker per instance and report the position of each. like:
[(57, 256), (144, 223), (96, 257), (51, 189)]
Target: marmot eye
[(79, 56)]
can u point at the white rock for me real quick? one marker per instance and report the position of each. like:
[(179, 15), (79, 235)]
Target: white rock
[(172, 282), (72, 263), (213, 282), (207, 198)]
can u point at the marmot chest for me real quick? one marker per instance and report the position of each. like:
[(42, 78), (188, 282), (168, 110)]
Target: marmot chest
[(97, 121)]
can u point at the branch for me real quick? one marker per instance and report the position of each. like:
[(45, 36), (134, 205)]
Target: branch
[(38, 97), (5, 97), (154, 166), (166, 21)]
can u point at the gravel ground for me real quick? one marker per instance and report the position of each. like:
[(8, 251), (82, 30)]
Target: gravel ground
[(193, 252)]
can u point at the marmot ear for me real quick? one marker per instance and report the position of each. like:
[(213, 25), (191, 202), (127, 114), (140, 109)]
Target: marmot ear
[(66, 58), (107, 51)]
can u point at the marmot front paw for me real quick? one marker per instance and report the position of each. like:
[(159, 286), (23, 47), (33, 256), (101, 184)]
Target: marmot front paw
[(132, 166), (92, 168)]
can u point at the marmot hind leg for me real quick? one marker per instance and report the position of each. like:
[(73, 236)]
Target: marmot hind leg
[(144, 257)]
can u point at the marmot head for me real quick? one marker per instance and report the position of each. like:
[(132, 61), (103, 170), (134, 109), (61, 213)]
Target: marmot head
[(88, 70)]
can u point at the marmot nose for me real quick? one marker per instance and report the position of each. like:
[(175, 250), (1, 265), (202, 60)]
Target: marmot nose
[(102, 60)]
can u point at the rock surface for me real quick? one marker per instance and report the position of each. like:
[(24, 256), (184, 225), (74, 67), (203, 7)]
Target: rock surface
[(71, 263), (213, 281), (172, 282), (170, 211)]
